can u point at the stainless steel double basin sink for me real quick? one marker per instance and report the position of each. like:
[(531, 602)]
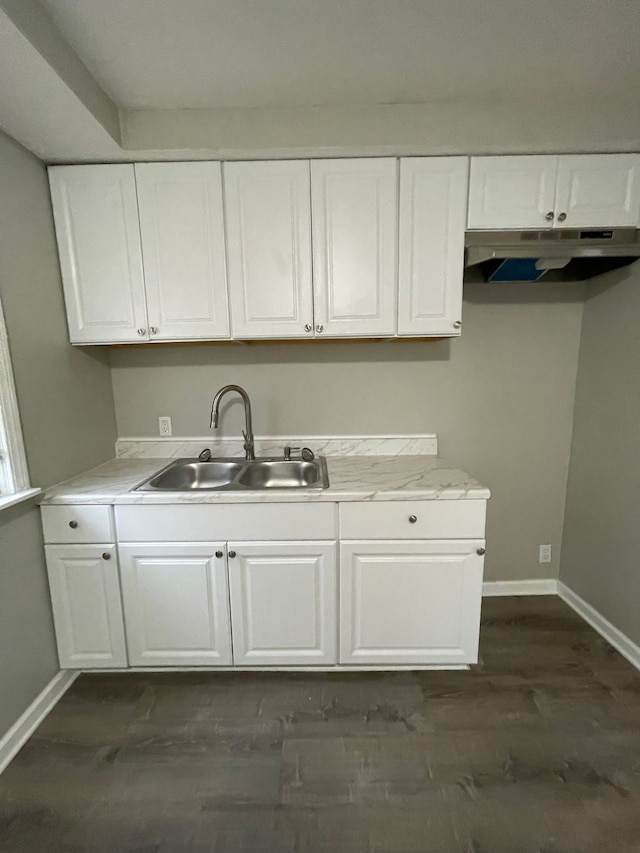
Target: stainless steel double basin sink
[(186, 475)]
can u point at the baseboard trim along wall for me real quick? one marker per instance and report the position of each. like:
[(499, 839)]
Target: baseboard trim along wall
[(28, 722), (620, 642), (550, 586), (534, 586)]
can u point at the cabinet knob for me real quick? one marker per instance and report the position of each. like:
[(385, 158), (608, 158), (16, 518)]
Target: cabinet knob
[(481, 552), (232, 554), (319, 328), (106, 556), (562, 217), (549, 216), (457, 324), (413, 519), (153, 330), (308, 327), (219, 554), (73, 524), (141, 332)]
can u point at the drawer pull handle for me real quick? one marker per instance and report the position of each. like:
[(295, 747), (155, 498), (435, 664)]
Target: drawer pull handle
[(481, 552), (219, 554), (73, 524), (106, 556), (413, 519), (232, 554)]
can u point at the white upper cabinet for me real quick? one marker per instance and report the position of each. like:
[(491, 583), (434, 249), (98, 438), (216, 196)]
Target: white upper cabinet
[(182, 231), (354, 215), (566, 191), (598, 190), (268, 215), (512, 192), (433, 213), (96, 217)]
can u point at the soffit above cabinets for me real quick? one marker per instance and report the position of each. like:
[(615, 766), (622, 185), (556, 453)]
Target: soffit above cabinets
[(89, 81)]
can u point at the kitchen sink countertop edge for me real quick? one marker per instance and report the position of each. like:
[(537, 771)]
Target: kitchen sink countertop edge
[(351, 478)]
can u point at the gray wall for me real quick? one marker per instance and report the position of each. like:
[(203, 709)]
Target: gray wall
[(66, 406), (602, 535), (500, 399)]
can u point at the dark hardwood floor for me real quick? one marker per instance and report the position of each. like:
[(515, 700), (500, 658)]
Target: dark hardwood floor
[(536, 749)]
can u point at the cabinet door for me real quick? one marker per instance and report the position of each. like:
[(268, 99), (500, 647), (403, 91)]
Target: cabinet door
[(598, 190), (96, 218), (512, 192), (410, 602), (268, 215), (283, 603), (176, 604), (182, 231), (433, 213), (85, 596), (355, 237)]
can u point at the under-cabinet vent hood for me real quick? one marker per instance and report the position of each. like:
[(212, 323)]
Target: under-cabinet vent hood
[(567, 254)]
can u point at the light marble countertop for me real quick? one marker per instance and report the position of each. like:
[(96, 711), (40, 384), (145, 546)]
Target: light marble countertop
[(351, 478)]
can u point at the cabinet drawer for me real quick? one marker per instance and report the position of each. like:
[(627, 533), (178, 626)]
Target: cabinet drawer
[(77, 524), (463, 519), (207, 523)]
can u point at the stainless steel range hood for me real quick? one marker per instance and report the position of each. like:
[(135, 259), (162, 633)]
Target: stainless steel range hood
[(567, 254)]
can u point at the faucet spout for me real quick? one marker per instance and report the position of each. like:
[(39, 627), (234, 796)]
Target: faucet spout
[(249, 448)]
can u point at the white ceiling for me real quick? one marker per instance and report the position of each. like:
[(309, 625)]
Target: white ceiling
[(204, 54)]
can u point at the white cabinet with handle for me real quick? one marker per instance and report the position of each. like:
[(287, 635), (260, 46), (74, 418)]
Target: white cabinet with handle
[(310, 249), (598, 190), (354, 219), (176, 604), (549, 191), (283, 603), (268, 215), (85, 598), (410, 602), (85, 587), (182, 232), (141, 251), (433, 212), (401, 586), (96, 218)]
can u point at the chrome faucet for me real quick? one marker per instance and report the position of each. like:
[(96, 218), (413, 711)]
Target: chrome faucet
[(248, 431)]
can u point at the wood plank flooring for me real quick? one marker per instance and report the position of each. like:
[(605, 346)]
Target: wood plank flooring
[(536, 749)]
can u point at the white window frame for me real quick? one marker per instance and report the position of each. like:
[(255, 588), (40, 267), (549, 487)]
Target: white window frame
[(14, 474)]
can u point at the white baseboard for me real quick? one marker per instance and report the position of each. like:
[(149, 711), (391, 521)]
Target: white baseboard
[(28, 722), (620, 642), (534, 586)]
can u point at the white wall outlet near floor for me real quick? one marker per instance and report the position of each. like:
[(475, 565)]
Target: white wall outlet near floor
[(545, 554), (164, 424)]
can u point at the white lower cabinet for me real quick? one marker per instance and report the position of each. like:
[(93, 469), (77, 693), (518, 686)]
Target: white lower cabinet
[(283, 603), (414, 602), (405, 591), (85, 597), (176, 604)]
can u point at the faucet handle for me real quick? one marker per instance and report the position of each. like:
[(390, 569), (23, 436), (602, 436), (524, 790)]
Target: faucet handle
[(305, 453)]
